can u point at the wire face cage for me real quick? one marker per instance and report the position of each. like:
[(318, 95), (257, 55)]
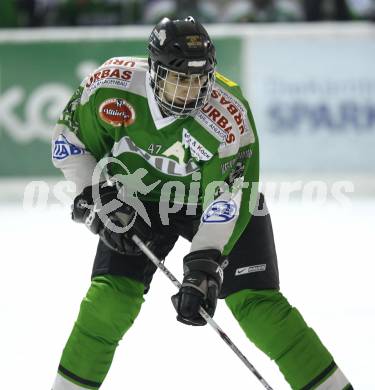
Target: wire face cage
[(179, 94)]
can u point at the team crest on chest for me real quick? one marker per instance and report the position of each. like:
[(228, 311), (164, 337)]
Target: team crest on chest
[(117, 112)]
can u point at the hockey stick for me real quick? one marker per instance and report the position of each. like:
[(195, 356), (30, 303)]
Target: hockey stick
[(202, 312)]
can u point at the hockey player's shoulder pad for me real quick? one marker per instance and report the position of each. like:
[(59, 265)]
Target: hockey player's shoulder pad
[(226, 116), (230, 86), (120, 73), (220, 78)]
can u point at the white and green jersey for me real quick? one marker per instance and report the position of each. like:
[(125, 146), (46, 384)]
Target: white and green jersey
[(114, 113)]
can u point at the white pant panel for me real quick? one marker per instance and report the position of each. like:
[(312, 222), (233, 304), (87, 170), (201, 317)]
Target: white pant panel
[(63, 384), (336, 381)]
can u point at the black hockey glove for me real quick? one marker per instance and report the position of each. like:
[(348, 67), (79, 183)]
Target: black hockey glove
[(102, 211), (203, 277)]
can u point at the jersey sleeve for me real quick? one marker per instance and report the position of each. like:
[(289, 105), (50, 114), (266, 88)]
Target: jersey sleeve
[(79, 141), (231, 186)]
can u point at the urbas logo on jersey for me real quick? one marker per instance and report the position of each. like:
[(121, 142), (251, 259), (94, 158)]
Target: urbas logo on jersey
[(220, 211), (122, 76), (236, 111), (120, 62), (63, 148), (215, 116), (117, 112), (220, 117)]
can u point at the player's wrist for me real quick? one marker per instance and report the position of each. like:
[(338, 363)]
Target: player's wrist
[(207, 261)]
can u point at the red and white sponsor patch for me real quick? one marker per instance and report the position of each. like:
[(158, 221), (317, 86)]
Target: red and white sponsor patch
[(117, 112)]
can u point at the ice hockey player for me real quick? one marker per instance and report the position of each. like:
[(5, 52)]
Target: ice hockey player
[(172, 128)]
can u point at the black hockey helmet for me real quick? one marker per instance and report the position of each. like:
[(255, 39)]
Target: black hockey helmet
[(182, 64)]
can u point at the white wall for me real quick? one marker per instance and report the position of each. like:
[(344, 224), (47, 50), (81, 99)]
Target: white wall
[(312, 90)]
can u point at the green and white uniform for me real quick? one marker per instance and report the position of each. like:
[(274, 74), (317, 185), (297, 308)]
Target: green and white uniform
[(211, 158), (114, 112)]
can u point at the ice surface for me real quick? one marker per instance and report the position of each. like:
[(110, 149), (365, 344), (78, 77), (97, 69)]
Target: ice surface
[(327, 268)]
